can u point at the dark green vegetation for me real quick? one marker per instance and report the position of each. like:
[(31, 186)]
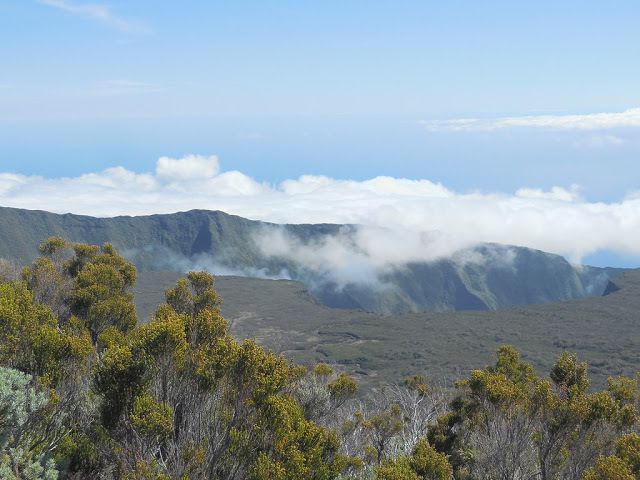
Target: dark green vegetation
[(214, 240), (88, 392), (282, 315)]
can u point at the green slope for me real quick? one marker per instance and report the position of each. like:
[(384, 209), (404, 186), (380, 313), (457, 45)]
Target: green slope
[(225, 243)]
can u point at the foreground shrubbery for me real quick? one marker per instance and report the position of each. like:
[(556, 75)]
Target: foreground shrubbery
[(87, 392)]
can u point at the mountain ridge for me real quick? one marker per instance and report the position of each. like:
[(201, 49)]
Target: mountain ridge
[(225, 243)]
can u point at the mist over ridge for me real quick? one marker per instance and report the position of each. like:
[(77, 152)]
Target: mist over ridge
[(560, 220), (384, 270)]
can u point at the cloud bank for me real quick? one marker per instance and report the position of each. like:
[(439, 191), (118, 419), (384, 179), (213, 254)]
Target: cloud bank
[(364, 254), (593, 121), (558, 221)]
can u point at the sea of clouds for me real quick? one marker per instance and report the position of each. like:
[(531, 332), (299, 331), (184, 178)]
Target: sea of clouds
[(419, 217)]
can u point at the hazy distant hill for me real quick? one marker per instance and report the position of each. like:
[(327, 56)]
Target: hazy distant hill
[(226, 244)]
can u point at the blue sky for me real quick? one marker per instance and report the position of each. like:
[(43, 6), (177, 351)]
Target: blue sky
[(346, 89), (283, 88)]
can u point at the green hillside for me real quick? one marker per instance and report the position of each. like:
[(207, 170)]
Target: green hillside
[(224, 243)]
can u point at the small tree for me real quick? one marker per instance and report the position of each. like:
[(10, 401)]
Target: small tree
[(27, 440)]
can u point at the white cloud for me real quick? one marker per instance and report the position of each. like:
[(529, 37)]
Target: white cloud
[(191, 167), (425, 218), (590, 121), (363, 254), (98, 12), (556, 193)]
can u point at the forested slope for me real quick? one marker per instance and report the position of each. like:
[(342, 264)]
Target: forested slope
[(86, 391)]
